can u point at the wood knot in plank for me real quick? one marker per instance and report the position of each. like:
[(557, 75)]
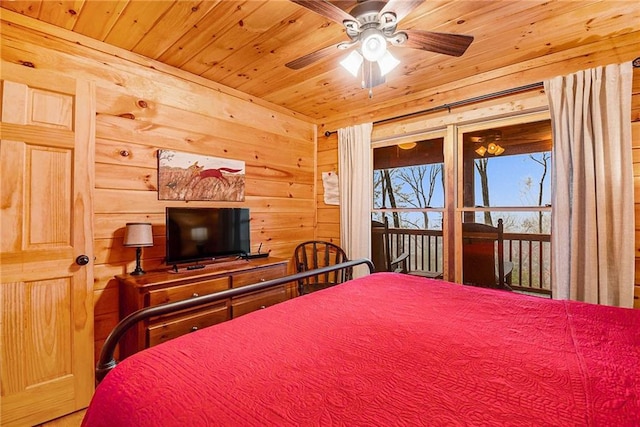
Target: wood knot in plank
[(127, 116)]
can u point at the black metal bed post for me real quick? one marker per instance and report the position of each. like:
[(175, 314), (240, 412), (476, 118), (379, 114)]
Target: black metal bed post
[(107, 362)]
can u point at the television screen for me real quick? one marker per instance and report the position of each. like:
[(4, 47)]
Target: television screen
[(195, 234)]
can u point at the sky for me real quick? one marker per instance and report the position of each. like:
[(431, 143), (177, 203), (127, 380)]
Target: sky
[(508, 178)]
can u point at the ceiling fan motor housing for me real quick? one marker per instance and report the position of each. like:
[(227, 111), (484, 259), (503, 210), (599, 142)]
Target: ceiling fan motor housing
[(367, 15)]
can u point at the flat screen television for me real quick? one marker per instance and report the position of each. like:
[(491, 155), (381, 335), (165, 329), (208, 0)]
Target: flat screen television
[(197, 234)]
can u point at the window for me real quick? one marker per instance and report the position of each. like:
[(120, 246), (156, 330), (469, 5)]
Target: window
[(409, 175), (408, 189)]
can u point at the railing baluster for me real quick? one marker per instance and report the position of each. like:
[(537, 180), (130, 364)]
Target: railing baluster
[(419, 251), (439, 244), (530, 249), (520, 257), (540, 252)]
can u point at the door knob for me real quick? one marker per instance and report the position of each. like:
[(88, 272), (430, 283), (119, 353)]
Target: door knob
[(82, 260)]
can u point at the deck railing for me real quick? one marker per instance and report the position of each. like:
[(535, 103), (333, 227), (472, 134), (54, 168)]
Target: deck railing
[(529, 253), (531, 257)]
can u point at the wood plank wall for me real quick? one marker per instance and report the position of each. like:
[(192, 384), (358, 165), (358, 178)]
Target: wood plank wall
[(328, 153), (141, 110), (328, 215), (130, 129)]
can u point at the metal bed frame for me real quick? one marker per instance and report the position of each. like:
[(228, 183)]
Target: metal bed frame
[(107, 361)]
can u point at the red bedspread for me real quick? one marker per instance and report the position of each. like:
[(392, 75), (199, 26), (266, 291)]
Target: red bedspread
[(389, 349)]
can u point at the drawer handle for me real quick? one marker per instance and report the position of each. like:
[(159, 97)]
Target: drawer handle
[(194, 328), (195, 294)]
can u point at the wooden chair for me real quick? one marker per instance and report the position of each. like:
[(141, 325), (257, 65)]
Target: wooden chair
[(315, 254), (383, 257), (382, 254), (483, 261)]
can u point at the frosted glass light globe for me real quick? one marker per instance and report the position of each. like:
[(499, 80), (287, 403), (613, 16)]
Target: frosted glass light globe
[(374, 45)]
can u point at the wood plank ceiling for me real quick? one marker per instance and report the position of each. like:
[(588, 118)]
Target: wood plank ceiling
[(245, 44)]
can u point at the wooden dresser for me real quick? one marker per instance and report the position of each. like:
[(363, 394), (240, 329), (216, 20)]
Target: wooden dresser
[(159, 287)]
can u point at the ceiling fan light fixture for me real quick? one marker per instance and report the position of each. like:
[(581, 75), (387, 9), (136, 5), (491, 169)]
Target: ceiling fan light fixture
[(374, 45), (352, 63), (387, 63), (492, 148)]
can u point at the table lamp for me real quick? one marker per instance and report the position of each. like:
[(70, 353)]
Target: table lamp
[(138, 235)]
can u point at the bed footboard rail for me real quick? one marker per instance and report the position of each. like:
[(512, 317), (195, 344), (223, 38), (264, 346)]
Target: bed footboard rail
[(107, 361)]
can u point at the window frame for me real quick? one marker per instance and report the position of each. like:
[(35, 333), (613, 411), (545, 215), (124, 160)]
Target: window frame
[(460, 209), (441, 132)]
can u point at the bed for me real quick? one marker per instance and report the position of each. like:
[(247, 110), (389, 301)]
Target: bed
[(389, 349)]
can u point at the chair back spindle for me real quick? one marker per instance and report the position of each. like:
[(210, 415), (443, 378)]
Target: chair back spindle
[(315, 254)]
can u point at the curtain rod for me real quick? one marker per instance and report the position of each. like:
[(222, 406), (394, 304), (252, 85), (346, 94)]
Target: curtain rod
[(451, 105)]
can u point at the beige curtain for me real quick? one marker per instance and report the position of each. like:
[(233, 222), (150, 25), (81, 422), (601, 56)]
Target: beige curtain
[(355, 168), (592, 237)]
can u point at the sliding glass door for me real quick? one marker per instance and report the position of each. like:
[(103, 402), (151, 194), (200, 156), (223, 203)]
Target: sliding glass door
[(427, 185)]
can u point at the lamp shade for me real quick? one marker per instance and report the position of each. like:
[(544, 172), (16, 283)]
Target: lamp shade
[(352, 63), (138, 234), (387, 63), (481, 150)]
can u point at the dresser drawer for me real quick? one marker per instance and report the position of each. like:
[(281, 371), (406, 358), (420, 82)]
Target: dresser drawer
[(171, 328), (257, 300), (258, 275), (181, 292)]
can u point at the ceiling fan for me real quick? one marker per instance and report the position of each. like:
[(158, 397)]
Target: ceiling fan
[(372, 25)]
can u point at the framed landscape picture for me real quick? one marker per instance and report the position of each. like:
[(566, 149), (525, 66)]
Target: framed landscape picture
[(185, 176)]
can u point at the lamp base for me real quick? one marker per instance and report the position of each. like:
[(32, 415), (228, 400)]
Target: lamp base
[(138, 271)]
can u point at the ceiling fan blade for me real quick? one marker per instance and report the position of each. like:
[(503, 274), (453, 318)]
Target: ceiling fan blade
[(312, 57), (445, 43), (401, 8), (326, 9)]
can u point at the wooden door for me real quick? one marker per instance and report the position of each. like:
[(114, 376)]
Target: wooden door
[(46, 297)]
